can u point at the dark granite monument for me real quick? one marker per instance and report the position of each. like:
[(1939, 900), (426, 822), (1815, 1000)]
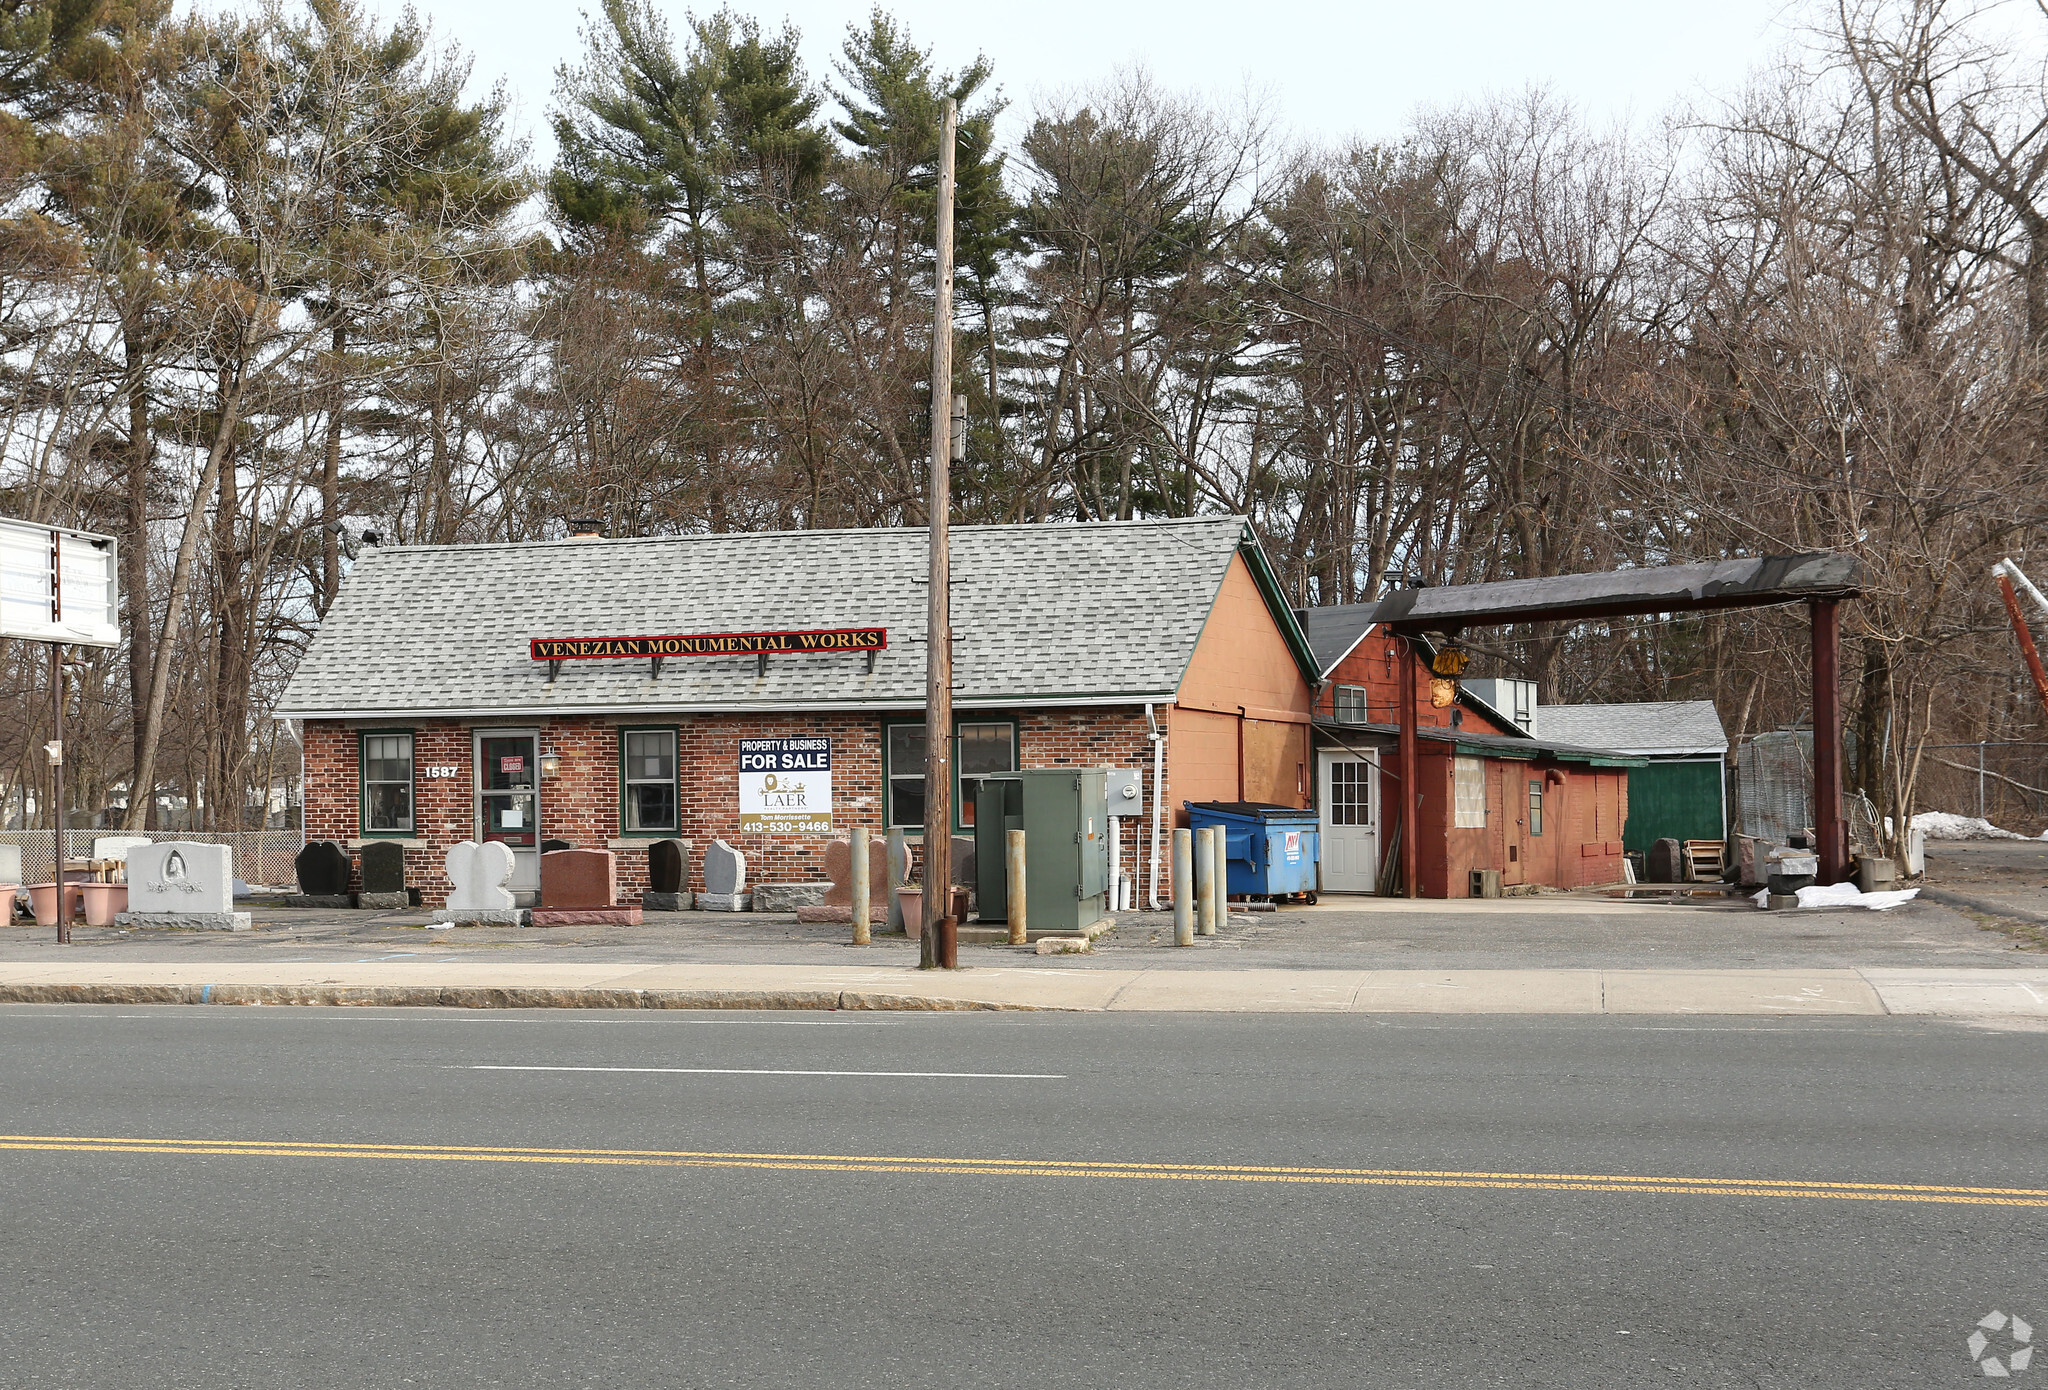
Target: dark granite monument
[(323, 868), (383, 868)]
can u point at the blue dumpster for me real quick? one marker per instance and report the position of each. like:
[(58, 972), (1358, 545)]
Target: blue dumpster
[(1271, 850)]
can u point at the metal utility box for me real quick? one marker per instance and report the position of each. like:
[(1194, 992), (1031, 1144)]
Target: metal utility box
[(1272, 850), (1064, 814), (1126, 792)]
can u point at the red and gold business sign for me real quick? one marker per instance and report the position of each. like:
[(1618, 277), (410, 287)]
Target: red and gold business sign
[(813, 642)]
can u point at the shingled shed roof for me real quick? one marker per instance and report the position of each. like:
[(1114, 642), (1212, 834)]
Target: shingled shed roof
[(1746, 583), (1104, 613), (1751, 583), (1663, 728)]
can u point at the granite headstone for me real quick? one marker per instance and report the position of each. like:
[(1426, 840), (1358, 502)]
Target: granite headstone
[(1666, 862), (323, 869), (579, 878), (477, 895), (668, 876), (383, 869), (178, 883), (725, 880)]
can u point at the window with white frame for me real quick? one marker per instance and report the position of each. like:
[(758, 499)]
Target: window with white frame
[(1468, 788), (1350, 705)]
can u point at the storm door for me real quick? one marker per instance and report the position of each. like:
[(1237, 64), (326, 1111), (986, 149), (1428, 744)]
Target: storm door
[(1350, 822), (508, 800)]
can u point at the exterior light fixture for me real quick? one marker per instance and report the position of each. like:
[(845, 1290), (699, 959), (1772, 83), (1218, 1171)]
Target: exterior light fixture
[(550, 764)]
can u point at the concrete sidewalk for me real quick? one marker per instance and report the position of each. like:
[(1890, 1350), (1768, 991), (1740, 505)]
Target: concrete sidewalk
[(454, 983)]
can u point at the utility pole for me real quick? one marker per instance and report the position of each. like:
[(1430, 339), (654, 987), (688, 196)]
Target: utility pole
[(56, 751), (938, 943)]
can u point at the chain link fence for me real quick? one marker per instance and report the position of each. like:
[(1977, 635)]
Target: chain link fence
[(2004, 783), (260, 856)]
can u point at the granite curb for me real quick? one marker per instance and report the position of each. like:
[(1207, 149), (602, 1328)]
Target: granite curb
[(503, 997)]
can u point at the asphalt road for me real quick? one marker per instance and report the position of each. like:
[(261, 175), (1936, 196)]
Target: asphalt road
[(779, 1215)]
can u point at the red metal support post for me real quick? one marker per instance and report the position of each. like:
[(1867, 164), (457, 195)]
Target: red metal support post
[(2027, 648), (1409, 779), (1829, 824)]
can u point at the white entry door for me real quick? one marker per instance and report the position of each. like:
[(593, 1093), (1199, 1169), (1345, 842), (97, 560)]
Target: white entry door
[(1350, 822)]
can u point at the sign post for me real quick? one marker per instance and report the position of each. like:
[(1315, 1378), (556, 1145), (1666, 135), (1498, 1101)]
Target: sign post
[(938, 944), (58, 586)]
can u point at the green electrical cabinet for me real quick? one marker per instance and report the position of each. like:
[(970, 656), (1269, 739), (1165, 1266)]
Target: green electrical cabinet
[(1064, 814)]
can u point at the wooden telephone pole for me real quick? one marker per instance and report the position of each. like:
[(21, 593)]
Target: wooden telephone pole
[(939, 942)]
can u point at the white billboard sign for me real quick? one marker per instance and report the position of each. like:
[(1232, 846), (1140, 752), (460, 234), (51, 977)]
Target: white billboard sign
[(58, 585), (786, 785)]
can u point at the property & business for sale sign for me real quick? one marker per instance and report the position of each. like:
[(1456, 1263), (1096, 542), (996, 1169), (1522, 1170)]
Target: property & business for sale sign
[(786, 784)]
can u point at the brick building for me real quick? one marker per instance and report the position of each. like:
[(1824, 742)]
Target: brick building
[(1490, 794), (432, 714)]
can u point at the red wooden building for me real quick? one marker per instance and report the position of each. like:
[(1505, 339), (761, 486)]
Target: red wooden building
[(1489, 795)]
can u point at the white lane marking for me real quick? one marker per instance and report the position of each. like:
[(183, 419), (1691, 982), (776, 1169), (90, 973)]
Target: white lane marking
[(772, 1071)]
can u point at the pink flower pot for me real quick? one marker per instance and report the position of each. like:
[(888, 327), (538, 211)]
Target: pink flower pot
[(911, 900), (45, 897), (103, 901)]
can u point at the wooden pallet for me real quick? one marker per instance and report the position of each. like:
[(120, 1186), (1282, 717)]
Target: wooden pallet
[(1707, 858)]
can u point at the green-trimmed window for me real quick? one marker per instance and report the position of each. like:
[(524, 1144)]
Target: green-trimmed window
[(1535, 806), (980, 747), (385, 758), (649, 796)]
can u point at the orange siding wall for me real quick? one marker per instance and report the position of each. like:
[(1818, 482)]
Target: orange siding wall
[(1242, 674)]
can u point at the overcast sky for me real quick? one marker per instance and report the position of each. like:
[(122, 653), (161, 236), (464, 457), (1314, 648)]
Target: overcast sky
[(1328, 70)]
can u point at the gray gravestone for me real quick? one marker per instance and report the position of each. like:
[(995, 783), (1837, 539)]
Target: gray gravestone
[(383, 875), (725, 879), (550, 846), (668, 876), (323, 869), (1666, 863), (963, 861), (10, 863), (899, 874), (477, 894), (182, 884)]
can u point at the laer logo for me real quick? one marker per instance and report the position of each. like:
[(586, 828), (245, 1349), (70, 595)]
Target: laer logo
[(824, 640)]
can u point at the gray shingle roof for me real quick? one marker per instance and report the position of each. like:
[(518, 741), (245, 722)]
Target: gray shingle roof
[(1664, 728), (1335, 629), (1089, 612)]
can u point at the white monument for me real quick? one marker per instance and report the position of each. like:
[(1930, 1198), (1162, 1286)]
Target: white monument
[(477, 896), (179, 883)]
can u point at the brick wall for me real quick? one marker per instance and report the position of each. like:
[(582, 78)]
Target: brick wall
[(581, 803)]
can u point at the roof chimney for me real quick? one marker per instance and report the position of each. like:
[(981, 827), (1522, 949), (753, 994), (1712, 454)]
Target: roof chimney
[(586, 528)]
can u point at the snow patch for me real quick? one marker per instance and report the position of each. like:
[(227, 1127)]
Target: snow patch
[(1946, 825), (1844, 895)]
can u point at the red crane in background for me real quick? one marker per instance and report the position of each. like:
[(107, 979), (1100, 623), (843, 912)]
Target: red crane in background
[(2007, 573)]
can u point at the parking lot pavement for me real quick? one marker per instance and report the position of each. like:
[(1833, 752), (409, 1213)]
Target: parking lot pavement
[(2003, 875), (1564, 932)]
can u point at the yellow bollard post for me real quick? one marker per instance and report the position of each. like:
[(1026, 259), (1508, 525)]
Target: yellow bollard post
[(1013, 848), (858, 880)]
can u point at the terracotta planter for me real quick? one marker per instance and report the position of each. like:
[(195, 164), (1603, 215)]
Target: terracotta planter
[(911, 899), (45, 897), (103, 901)]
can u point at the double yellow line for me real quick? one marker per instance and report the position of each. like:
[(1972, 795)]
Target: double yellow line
[(1048, 1168)]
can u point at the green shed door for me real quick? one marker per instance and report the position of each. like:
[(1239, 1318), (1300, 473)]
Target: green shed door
[(1675, 801)]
